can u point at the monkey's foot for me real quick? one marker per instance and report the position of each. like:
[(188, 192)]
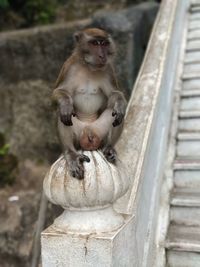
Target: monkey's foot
[(110, 154), (76, 166)]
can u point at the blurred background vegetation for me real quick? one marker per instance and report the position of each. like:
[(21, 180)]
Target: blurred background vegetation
[(15, 14)]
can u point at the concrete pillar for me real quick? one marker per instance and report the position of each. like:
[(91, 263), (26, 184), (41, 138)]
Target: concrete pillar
[(89, 232)]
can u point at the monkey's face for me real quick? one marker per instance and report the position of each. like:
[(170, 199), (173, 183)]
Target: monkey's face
[(99, 53), (96, 47)]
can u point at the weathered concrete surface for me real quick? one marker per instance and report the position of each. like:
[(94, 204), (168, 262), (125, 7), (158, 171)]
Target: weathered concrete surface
[(143, 144), (18, 215), (29, 119), (99, 250), (36, 53)]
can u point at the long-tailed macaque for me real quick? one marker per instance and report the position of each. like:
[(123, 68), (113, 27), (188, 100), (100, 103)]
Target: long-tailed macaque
[(91, 108)]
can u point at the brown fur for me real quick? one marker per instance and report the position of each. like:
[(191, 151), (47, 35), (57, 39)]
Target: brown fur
[(96, 32)]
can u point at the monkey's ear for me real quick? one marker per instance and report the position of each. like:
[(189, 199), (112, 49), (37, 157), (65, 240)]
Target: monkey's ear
[(77, 36)]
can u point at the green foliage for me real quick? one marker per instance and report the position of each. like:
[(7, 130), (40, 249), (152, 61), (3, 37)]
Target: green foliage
[(4, 149), (4, 4), (26, 13), (39, 11), (8, 163)]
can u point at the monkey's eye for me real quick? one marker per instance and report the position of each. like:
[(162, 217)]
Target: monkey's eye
[(105, 43), (94, 42)]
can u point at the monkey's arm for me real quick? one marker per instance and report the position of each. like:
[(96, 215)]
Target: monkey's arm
[(61, 95), (116, 100), (65, 105), (117, 103)]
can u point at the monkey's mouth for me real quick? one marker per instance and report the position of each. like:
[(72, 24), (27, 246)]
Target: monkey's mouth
[(100, 65)]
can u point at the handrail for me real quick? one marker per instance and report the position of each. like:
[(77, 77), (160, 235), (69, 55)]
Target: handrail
[(143, 144), (142, 109)]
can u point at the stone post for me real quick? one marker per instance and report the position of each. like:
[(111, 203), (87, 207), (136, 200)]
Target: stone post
[(80, 236)]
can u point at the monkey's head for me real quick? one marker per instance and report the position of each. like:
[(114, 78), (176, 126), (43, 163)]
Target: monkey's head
[(95, 46)]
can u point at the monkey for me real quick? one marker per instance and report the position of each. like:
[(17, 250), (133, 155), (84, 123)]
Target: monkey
[(91, 108)]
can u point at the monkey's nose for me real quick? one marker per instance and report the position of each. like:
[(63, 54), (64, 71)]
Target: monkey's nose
[(102, 59)]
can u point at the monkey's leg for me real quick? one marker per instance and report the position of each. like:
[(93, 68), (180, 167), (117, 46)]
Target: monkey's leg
[(108, 147), (110, 153), (74, 160)]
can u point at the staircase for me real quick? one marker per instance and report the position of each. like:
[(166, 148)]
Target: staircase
[(183, 239)]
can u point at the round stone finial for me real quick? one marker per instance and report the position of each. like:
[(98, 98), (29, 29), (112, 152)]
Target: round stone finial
[(87, 202)]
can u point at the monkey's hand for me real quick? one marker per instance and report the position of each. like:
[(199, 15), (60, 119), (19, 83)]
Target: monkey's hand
[(118, 113), (66, 113), (76, 166)]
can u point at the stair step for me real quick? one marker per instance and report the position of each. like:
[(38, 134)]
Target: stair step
[(182, 259), (186, 114), (192, 57), (195, 9), (193, 17), (189, 120), (183, 246), (188, 148), (189, 178), (187, 164), (188, 145), (193, 35), (191, 92), (190, 103), (185, 197), (185, 136), (191, 84), (189, 124), (183, 238), (195, 2), (190, 69), (189, 216), (194, 25), (193, 45), (191, 75)]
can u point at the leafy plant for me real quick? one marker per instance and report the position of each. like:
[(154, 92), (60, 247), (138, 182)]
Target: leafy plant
[(4, 149), (35, 11), (26, 13), (8, 163), (4, 4)]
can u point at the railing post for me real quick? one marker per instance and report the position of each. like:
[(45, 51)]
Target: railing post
[(83, 234)]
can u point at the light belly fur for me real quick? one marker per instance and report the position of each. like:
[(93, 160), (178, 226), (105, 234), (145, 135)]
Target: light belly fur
[(88, 103)]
